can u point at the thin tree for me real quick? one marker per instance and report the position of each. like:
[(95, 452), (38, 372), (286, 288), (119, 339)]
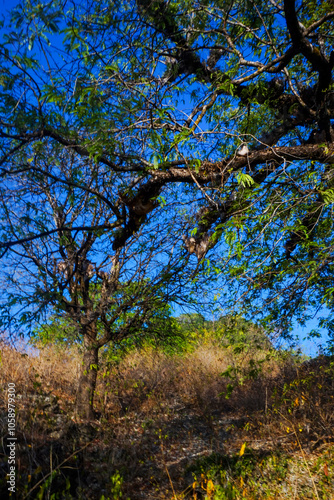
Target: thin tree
[(68, 261)]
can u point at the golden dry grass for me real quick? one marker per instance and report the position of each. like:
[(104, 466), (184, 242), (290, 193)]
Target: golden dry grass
[(161, 413)]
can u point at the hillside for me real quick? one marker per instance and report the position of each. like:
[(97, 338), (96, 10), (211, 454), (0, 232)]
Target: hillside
[(172, 427)]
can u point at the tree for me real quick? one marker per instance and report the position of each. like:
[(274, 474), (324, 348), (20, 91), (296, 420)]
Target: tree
[(160, 330), (227, 103), (230, 330), (70, 268)]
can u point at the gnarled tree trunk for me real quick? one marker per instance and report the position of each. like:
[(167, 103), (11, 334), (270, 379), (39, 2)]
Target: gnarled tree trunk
[(88, 375)]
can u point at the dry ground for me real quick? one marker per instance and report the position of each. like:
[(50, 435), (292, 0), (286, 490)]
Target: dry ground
[(172, 427)]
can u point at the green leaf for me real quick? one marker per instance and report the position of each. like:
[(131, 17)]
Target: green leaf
[(244, 180)]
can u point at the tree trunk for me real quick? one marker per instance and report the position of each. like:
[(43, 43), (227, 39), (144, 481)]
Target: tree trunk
[(87, 380)]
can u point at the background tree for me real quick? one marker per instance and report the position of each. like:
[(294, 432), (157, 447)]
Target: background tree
[(229, 330), (231, 99), (63, 261)]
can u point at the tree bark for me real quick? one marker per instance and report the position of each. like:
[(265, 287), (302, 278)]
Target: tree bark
[(87, 380)]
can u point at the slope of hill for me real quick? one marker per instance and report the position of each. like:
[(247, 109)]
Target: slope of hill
[(211, 423)]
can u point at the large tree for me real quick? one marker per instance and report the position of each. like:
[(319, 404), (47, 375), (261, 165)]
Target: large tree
[(232, 99)]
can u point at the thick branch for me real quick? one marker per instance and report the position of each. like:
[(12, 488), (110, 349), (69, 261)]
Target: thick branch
[(318, 60)]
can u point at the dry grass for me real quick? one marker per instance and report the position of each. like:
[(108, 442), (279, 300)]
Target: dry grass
[(50, 370), (146, 374), (159, 415)]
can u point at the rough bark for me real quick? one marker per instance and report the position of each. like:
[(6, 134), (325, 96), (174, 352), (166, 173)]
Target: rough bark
[(87, 380)]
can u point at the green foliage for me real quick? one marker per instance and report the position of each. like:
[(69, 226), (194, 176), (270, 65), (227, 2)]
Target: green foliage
[(58, 331), (160, 330), (174, 336), (116, 486), (231, 330), (245, 475)]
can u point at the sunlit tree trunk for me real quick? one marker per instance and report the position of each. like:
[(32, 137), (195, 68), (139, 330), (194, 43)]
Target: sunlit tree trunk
[(88, 375)]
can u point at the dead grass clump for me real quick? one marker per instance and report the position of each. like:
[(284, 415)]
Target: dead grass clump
[(16, 367), (307, 402), (58, 369), (44, 371), (200, 382), (299, 414), (147, 379), (139, 382), (48, 367)]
